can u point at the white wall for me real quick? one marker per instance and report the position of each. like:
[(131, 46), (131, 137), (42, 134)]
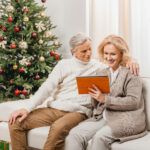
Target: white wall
[(70, 17)]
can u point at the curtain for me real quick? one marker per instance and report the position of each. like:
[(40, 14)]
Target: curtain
[(104, 20), (140, 34), (127, 18)]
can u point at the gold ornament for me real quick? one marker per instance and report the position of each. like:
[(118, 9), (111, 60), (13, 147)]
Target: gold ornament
[(42, 59), (15, 67), (40, 41), (26, 19)]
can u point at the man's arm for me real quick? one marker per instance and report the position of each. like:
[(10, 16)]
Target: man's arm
[(130, 63), (46, 89), (133, 66), (43, 92)]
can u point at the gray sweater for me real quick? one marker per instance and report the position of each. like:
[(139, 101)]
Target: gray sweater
[(124, 106)]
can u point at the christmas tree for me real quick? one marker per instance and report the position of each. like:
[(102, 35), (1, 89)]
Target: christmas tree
[(28, 49)]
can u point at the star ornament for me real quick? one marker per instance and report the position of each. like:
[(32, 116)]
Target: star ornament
[(40, 26)]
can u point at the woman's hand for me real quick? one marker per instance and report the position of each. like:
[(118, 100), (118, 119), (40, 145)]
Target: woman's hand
[(97, 94)]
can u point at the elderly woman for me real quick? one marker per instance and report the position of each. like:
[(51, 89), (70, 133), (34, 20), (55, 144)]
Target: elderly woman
[(122, 110), (124, 106)]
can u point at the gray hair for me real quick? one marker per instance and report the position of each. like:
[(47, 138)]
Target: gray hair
[(77, 40)]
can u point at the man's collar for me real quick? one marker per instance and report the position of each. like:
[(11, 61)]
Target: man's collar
[(80, 62)]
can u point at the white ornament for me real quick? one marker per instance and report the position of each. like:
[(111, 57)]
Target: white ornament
[(42, 14), (2, 44), (30, 58), (25, 19), (23, 45), (40, 26), (24, 61), (40, 41), (9, 8), (5, 15), (2, 6), (48, 34), (42, 59), (56, 43)]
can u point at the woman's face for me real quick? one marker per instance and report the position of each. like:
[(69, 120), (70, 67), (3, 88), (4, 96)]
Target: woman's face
[(112, 56), (83, 52)]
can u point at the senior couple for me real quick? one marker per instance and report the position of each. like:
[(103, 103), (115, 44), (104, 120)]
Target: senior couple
[(103, 118)]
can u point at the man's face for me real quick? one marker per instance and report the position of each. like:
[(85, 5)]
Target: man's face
[(83, 52)]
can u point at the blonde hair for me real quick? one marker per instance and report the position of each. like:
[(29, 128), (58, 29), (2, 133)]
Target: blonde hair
[(77, 40), (119, 43)]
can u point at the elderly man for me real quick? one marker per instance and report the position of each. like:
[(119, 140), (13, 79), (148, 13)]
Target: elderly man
[(62, 107)]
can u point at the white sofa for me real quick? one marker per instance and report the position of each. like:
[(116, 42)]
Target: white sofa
[(37, 137)]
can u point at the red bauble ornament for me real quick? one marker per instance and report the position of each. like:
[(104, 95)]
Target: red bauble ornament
[(10, 19), (29, 64), (4, 28), (57, 56), (17, 92), (34, 34), (1, 38), (16, 29), (43, 1), (11, 81), (25, 10), (52, 53), (24, 92), (13, 46), (37, 77), (21, 70), (1, 70)]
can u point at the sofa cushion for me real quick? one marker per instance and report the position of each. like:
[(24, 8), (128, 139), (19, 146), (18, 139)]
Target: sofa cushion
[(7, 108), (37, 137), (137, 144), (146, 90), (4, 132)]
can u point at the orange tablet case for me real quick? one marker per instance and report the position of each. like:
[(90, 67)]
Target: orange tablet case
[(85, 82)]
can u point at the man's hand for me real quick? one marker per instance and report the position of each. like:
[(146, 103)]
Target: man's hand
[(133, 66), (21, 113)]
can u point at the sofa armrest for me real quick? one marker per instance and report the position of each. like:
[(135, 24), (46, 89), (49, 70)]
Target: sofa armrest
[(6, 108)]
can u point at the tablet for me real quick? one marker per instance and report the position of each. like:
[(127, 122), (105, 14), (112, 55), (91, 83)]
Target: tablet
[(86, 82)]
